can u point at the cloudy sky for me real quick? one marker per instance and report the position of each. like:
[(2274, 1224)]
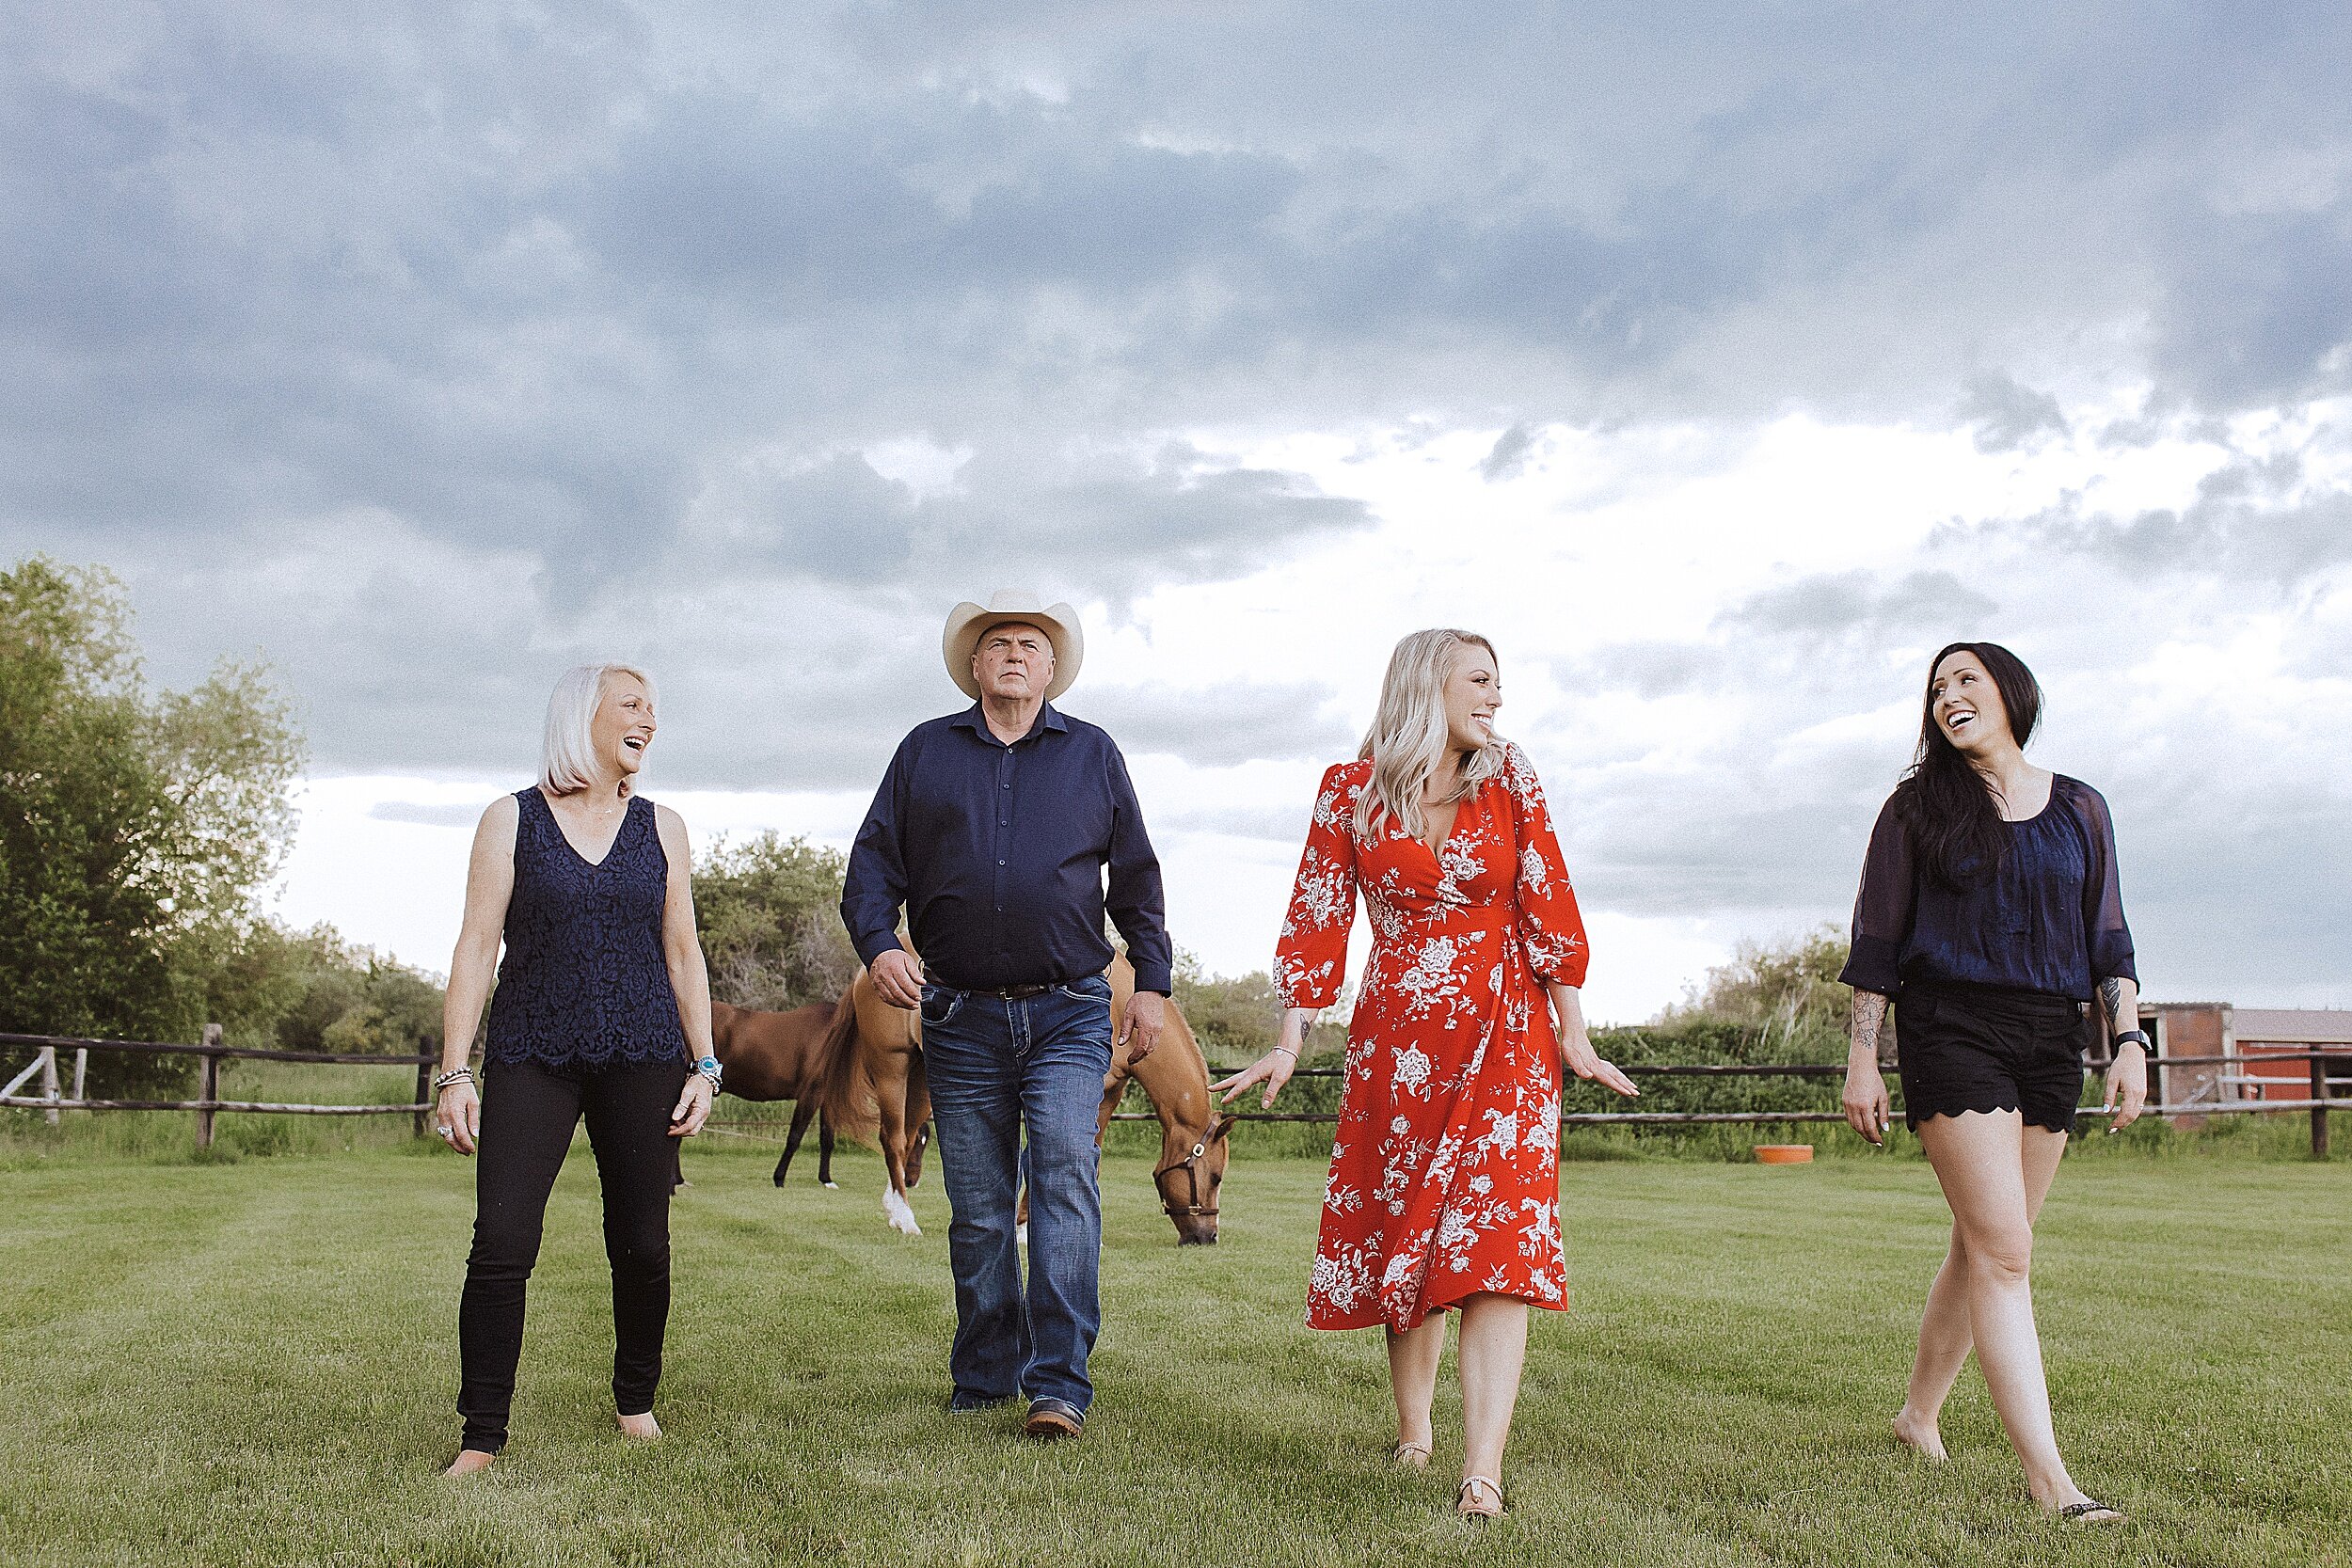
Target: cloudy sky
[(1720, 367)]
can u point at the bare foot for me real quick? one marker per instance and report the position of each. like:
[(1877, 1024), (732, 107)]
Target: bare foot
[(1919, 1436), (469, 1462), (644, 1427)]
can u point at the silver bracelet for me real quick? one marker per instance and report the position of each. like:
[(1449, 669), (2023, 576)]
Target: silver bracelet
[(454, 1075), (1287, 1052)]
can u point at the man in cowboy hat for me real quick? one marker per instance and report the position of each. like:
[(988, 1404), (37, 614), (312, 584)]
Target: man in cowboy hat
[(993, 828)]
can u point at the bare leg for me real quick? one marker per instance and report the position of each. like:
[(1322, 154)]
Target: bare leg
[(1980, 1159), (1413, 1360), (1492, 1353), (1944, 1340)]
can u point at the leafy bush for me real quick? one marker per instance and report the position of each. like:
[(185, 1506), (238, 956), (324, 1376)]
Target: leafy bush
[(769, 911)]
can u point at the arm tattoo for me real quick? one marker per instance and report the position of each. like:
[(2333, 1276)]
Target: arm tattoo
[(2111, 1003), (1869, 1011)]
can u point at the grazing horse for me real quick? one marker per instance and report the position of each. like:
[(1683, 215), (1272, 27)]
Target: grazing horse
[(873, 1089), (1175, 1077), (772, 1057)]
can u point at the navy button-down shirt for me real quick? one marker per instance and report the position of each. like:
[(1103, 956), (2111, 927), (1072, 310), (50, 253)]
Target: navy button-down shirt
[(998, 854)]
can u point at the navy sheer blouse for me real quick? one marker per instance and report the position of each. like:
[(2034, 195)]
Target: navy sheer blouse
[(2050, 918)]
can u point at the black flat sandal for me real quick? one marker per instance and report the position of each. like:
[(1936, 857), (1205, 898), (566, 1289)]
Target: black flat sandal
[(2080, 1513)]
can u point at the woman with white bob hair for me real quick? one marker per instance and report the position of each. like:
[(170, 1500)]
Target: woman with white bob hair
[(602, 1010), (1445, 1173)]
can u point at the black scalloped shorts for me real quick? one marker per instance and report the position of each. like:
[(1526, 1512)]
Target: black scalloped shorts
[(1988, 1047)]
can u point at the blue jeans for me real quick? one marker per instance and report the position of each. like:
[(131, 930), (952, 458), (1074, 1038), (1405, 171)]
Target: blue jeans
[(996, 1065)]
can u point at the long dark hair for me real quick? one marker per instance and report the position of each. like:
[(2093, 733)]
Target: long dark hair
[(1945, 805)]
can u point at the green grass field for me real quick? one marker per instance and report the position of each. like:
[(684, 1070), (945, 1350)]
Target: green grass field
[(254, 1362)]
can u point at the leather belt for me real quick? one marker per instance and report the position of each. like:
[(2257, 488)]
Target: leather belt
[(1008, 993)]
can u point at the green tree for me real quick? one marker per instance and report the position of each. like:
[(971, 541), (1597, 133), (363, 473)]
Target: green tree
[(769, 912), (137, 829), (1238, 1019)]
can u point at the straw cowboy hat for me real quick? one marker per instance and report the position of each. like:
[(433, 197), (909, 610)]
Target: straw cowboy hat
[(967, 621)]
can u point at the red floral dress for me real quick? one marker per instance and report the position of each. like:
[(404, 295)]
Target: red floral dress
[(1445, 1174)]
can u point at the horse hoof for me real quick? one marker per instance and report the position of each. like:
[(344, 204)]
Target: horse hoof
[(901, 1213), (829, 1186), (1020, 1235)]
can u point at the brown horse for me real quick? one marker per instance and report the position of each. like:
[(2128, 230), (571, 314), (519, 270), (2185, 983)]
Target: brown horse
[(1175, 1077), (874, 1089), (770, 1057)]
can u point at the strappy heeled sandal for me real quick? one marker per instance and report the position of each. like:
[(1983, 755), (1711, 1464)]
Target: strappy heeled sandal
[(1413, 1456), (2080, 1513), (1467, 1504)]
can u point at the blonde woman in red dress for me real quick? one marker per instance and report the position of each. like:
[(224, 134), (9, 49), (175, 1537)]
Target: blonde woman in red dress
[(1445, 1174)]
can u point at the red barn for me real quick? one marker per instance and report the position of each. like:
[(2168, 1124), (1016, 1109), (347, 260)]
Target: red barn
[(2218, 1029)]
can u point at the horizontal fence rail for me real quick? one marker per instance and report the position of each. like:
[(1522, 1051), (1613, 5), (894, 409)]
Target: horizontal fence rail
[(212, 1051)]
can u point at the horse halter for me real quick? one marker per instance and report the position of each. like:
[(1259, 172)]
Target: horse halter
[(1190, 1166)]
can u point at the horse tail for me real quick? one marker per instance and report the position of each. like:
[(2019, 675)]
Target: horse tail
[(845, 1085)]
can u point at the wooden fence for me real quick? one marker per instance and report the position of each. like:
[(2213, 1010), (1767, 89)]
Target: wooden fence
[(2317, 1106), (208, 1102), (53, 1101)]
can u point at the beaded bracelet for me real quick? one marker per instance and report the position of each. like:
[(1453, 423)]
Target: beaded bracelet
[(454, 1075)]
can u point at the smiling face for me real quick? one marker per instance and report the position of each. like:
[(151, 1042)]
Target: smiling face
[(1474, 690), (623, 724), (1015, 663), (1965, 703)]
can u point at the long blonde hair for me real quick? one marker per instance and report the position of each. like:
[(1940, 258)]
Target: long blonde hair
[(567, 757), (1406, 742)]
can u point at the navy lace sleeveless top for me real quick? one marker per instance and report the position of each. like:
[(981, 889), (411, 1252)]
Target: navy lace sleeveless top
[(2049, 918), (583, 983)]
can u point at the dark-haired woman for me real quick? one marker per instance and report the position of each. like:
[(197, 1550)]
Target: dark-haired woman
[(1990, 915)]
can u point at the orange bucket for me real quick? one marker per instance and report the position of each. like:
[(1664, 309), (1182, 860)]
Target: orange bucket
[(1784, 1154)]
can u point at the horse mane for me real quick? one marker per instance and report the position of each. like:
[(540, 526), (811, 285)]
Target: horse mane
[(845, 1085)]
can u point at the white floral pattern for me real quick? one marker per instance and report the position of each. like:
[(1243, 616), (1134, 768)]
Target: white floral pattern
[(1445, 1174)]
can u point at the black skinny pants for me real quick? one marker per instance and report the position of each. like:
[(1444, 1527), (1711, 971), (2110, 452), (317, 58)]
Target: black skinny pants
[(528, 1114)]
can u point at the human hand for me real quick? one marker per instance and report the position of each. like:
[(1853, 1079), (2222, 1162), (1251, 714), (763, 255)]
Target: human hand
[(899, 978), (1275, 1068), (457, 1115), (1865, 1101), (1577, 1053), (693, 1106), (1147, 1014), (2127, 1084)]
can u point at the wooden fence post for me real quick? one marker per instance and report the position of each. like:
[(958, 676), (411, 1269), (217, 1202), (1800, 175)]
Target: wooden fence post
[(210, 1090), (81, 1072), (424, 1083), (2320, 1106), (48, 1081)]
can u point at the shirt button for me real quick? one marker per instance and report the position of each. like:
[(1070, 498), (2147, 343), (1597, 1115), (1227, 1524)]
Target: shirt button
[(1000, 862)]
